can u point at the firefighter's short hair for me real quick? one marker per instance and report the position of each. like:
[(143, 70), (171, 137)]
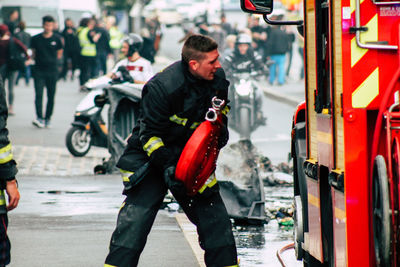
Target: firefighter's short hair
[(195, 47)]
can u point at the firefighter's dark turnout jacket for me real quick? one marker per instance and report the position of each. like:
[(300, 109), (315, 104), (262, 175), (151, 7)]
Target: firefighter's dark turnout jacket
[(173, 104), (8, 168)]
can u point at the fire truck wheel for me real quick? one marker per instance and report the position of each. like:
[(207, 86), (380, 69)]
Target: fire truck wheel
[(381, 212), (298, 227)]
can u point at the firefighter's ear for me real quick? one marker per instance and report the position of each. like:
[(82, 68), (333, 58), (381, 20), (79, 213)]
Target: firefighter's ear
[(193, 65)]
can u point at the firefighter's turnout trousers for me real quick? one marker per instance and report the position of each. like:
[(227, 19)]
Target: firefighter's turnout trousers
[(136, 217)]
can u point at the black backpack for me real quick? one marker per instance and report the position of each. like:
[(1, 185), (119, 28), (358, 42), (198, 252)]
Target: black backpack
[(17, 56)]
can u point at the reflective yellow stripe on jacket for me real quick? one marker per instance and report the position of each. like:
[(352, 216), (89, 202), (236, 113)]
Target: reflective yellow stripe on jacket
[(183, 121), (178, 120), (125, 175), (88, 48), (153, 144), (225, 110), (211, 181), (6, 154)]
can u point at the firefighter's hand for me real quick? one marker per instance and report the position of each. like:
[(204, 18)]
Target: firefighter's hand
[(13, 194), (176, 187)]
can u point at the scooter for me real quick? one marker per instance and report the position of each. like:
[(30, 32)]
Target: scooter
[(246, 104), (88, 127)]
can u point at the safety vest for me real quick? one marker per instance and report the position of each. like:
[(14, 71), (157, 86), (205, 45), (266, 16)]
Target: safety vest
[(88, 49), (115, 38)]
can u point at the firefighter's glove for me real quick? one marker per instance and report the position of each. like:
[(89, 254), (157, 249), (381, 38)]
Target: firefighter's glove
[(162, 158), (176, 187)]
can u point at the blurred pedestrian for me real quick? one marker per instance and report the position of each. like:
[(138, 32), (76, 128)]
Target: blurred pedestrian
[(147, 51), (278, 43), (230, 41), (8, 170), (115, 37), (25, 38), (12, 21), (10, 49), (103, 48), (226, 26), (71, 49), (47, 49), (259, 35), (87, 40)]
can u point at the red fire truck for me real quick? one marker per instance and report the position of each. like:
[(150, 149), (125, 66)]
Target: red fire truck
[(346, 136)]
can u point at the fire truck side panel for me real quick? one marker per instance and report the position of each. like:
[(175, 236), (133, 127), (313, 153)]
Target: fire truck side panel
[(311, 76), (356, 145), (338, 197), (314, 243), (325, 140), (339, 228)]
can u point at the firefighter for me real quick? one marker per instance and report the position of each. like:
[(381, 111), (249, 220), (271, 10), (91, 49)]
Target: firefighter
[(174, 102), (8, 170)]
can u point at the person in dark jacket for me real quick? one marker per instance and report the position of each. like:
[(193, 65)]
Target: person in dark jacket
[(243, 59), (12, 21), (8, 170), (278, 44), (25, 38), (71, 49), (9, 46), (103, 48), (174, 102)]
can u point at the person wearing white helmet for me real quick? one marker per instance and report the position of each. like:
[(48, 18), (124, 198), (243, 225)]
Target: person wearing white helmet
[(138, 67), (245, 59)]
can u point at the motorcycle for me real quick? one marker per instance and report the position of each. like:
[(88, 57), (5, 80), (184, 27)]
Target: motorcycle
[(246, 104)]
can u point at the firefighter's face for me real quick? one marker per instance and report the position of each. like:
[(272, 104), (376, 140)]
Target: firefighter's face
[(206, 68)]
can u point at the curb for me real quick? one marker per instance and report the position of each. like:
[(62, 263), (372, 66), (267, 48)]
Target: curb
[(281, 97)]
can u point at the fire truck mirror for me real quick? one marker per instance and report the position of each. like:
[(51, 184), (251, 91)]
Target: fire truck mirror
[(257, 6)]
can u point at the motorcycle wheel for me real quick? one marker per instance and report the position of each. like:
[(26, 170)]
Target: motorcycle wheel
[(78, 141), (244, 123)]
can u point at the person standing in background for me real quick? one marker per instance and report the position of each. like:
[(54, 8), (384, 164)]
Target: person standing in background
[(278, 44), (47, 49), (12, 21), (8, 45), (25, 38), (103, 48), (115, 37), (71, 49), (87, 40)]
